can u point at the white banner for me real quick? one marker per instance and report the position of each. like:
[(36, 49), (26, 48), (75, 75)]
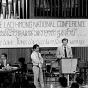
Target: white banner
[(45, 32)]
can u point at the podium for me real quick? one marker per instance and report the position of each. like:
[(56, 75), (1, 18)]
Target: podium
[(68, 66)]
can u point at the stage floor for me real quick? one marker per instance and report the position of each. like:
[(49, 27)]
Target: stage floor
[(47, 85), (56, 85)]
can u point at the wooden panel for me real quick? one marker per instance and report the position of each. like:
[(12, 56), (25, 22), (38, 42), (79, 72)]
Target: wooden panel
[(12, 54), (27, 55), (15, 54), (81, 52)]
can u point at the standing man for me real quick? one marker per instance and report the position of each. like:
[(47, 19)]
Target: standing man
[(37, 61), (64, 51)]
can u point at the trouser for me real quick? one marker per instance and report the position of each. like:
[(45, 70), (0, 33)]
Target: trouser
[(38, 74)]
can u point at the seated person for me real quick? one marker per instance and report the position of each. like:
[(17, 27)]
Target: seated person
[(62, 82), (79, 80), (3, 59), (23, 66), (3, 64), (3, 76), (74, 85)]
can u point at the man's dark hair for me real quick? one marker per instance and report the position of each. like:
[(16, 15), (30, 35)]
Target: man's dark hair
[(35, 46), (23, 65), (79, 80), (4, 55), (63, 81), (64, 39), (22, 59), (74, 85)]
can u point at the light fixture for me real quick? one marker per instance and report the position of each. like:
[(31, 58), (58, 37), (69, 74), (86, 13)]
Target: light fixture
[(3, 1), (9, 1)]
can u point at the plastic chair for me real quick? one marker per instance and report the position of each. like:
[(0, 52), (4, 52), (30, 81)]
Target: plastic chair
[(47, 74), (54, 71), (29, 73)]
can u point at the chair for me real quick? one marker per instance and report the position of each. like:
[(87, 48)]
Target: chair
[(18, 78), (47, 72), (6, 80), (54, 71), (19, 74), (29, 73)]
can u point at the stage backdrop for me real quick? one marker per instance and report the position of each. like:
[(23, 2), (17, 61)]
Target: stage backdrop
[(45, 32)]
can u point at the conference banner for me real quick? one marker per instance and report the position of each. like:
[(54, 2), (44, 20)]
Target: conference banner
[(45, 32)]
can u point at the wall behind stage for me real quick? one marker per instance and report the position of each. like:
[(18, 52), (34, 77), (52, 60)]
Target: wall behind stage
[(15, 53), (80, 52)]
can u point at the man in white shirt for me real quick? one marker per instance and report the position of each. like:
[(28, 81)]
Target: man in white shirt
[(63, 51), (37, 61)]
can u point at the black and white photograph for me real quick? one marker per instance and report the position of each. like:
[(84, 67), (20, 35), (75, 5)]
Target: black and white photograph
[(43, 43)]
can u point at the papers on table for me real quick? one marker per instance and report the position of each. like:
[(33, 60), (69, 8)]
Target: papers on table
[(86, 86)]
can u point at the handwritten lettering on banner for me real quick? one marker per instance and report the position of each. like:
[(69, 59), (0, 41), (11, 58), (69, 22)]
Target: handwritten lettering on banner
[(46, 33)]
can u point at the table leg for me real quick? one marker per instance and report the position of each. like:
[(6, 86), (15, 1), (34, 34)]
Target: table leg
[(84, 76), (80, 73)]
